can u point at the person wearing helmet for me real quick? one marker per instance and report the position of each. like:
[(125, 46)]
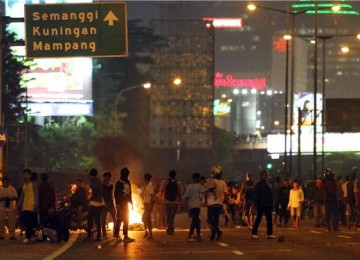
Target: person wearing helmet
[(216, 190)]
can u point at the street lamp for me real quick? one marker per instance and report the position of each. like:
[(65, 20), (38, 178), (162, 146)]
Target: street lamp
[(344, 49), (324, 39), (288, 37), (146, 85)]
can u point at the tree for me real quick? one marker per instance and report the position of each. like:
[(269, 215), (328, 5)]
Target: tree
[(113, 75), (13, 66)]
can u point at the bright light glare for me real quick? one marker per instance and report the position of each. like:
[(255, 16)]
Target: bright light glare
[(336, 8), (177, 81), (287, 37), (111, 225), (345, 49), (236, 91), (269, 92), (147, 85), (358, 36), (251, 7), (244, 91)]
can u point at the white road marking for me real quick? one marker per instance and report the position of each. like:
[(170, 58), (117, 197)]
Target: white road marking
[(61, 250), (223, 244), (237, 252), (316, 232), (344, 236)]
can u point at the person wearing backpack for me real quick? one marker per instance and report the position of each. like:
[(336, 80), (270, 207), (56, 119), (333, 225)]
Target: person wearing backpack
[(173, 199)]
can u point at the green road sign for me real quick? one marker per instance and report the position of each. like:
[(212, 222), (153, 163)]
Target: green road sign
[(76, 30)]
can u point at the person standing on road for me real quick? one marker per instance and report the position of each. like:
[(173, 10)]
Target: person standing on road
[(216, 191), (148, 201), (193, 196), (28, 206), (247, 196), (8, 198), (331, 200), (357, 195), (284, 194), (173, 200), (296, 198), (317, 197), (96, 205), (123, 197), (109, 207), (264, 204), (47, 197)]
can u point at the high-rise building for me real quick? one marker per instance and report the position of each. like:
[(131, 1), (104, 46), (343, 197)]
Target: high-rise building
[(181, 115)]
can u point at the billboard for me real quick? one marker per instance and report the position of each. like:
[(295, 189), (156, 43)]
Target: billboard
[(305, 101), (342, 115), (58, 87), (333, 142)]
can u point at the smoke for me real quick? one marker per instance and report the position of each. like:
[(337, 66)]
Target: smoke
[(114, 153)]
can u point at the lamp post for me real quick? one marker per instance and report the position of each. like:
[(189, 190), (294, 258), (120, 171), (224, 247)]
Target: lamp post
[(323, 39), (288, 37), (315, 92), (146, 85)]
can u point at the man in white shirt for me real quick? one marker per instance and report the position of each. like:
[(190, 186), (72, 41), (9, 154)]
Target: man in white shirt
[(148, 201), (8, 197), (193, 195), (216, 190)]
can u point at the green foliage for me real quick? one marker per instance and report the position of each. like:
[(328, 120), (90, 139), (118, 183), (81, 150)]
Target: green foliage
[(112, 75), (64, 147), (75, 143), (12, 67)]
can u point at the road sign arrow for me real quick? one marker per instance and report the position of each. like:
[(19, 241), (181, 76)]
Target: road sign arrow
[(111, 17)]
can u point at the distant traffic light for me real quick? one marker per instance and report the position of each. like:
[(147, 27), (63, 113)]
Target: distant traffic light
[(269, 166)]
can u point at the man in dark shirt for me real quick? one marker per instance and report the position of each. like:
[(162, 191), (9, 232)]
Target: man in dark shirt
[(108, 195), (331, 200), (47, 197), (96, 204), (317, 197), (264, 204), (123, 197), (284, 194)]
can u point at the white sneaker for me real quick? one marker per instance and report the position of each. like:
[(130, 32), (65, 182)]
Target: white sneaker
[(271, 236), (255, 237)]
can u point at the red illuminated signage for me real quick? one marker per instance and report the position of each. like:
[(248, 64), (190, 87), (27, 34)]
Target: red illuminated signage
[(280, 44), (224, 22), (229, 80)]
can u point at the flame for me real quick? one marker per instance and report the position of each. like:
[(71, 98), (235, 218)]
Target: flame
[(136, 210)]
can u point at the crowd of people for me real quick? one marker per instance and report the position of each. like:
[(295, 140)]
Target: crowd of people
[(331, 200)]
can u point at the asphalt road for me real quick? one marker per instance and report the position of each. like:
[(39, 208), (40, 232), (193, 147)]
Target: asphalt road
[(304, 243)]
